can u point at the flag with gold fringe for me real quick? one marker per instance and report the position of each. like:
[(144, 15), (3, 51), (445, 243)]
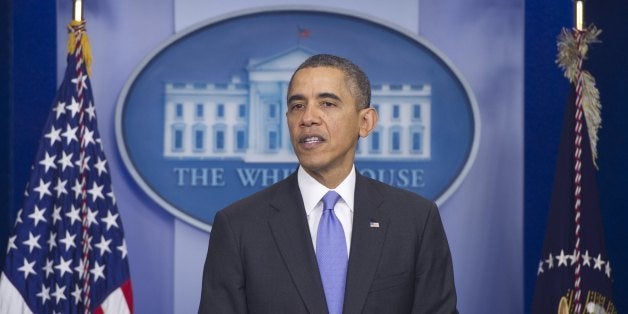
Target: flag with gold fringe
[(574, 272), (67, 252)]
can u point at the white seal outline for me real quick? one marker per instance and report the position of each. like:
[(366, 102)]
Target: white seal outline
[(453, 186)]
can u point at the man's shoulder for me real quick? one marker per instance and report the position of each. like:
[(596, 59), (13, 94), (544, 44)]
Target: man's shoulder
[(392, 193), (262, 199)]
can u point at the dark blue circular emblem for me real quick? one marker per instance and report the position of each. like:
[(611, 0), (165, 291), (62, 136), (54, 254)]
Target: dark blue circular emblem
[(201, 122)]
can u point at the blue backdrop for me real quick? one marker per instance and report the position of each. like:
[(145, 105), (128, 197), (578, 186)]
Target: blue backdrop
[(28, 75), (28, 59)]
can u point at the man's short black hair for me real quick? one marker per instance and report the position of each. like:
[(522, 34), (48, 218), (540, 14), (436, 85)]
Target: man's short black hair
[(358, 82)]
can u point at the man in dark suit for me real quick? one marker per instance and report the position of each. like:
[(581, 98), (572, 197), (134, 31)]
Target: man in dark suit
[(372, 248)]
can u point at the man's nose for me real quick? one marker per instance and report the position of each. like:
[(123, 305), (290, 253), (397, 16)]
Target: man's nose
[(311, 115)]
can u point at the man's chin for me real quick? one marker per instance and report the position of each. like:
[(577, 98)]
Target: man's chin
[(311, 165)]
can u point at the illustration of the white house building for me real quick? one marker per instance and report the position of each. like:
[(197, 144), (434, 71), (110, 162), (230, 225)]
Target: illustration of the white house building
[(245, 120)]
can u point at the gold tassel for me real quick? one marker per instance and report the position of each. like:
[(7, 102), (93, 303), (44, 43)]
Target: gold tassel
[(569, 53), (78, 27)]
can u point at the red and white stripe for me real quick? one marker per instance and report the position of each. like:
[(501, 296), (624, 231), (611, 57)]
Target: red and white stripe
[(120, 301), (85, 238), (579, 117)]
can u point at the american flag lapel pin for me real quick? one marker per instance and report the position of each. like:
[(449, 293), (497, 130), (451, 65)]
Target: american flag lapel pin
[(374, 224)]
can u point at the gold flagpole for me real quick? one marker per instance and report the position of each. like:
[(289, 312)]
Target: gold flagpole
[(76, 28), (579, 15), (77, 10)]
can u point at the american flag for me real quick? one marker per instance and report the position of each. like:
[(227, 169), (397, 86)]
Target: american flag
[(303, 32), (67, 252)]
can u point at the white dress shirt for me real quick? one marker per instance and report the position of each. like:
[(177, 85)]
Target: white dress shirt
[(313, 192)]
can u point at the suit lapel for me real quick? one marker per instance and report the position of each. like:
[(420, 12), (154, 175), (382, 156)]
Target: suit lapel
[(367, 239), (291, 233)]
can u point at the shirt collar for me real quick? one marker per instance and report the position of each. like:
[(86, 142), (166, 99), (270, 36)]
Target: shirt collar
[(313, 191)]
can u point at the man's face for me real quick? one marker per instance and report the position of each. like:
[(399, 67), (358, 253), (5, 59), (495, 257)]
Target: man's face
[(324, 121)]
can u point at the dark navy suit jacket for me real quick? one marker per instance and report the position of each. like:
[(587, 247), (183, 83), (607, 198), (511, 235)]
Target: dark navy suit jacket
[(261, 259)]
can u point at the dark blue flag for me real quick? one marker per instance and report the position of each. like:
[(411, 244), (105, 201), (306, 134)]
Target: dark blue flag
[(574, 271), (67, 252)]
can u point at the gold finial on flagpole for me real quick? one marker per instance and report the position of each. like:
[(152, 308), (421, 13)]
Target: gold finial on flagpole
[(579, 15), (77, 10), (77, 35)]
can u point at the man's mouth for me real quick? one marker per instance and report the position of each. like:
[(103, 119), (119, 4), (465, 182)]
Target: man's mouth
[(311, 139)]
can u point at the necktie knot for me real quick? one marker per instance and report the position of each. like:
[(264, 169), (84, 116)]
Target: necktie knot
[(330, 199)]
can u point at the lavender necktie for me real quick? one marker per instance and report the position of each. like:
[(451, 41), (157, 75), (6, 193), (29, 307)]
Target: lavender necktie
[(331, 254)]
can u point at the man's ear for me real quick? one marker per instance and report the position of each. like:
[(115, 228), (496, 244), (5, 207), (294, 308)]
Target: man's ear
[(368, 121)]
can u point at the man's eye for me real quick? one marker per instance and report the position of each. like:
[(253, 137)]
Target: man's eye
[(328, 104), (296, 106)]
